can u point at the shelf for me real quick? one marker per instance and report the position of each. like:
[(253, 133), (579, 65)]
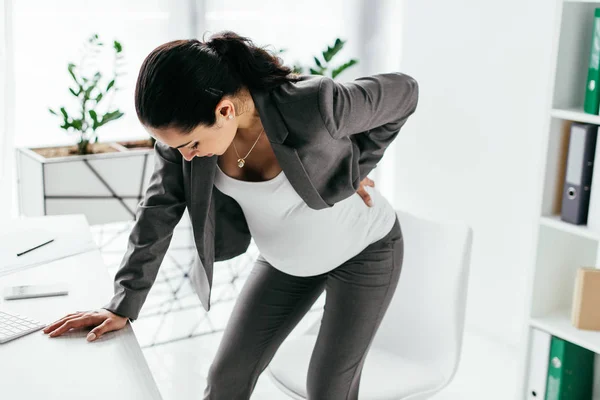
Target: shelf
[(575, 114), (559, 324), (579, 230)]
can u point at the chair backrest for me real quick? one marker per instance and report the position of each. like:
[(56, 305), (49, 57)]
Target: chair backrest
[(425, 320)]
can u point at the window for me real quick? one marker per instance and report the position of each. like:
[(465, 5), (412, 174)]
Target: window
[(304, 29), (49, 35), (6, 113)]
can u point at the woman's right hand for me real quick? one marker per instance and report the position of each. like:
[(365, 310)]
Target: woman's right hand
[(102, 320)]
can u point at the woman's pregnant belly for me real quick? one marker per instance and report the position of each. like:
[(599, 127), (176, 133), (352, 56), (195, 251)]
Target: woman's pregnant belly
[(304, 242)]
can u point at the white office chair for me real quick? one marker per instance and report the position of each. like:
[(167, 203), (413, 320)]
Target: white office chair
[(417, 348)]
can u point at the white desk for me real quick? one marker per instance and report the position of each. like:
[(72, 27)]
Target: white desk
[(68, 367)]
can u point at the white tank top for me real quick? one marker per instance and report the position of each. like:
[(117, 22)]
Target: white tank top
[(299, 240)]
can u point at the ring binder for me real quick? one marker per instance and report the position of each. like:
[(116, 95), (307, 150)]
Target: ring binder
[(578, 179)]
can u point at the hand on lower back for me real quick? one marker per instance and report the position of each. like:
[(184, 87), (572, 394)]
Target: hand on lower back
[(363, 193)]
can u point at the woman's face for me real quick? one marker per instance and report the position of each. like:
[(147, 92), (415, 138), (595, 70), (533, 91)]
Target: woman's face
[(202, 141)]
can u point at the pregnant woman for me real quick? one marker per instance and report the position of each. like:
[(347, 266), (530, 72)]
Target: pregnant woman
[(255, 151)]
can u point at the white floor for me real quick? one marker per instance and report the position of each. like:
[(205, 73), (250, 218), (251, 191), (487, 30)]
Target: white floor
[(180, 368), (179, 339)]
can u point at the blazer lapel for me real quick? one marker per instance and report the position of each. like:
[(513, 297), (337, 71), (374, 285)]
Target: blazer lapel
[(287, 156), (296, 173)]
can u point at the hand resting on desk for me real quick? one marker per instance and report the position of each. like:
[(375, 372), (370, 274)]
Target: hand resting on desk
[(102, 320)]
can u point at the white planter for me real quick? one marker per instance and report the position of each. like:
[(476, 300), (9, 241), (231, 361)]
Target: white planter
[(104, 187)]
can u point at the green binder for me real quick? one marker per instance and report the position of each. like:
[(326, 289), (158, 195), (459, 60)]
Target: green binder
[(592, 91), (570, 371)]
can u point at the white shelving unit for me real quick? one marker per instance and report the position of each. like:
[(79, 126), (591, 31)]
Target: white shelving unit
[(561, 247)]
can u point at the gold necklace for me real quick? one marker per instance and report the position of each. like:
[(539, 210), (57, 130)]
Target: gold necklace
[(242, 160)]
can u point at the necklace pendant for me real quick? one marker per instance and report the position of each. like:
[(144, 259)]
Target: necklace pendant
[(241, 162)]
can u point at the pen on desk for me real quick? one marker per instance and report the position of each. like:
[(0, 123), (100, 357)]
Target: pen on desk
[(36, 247)]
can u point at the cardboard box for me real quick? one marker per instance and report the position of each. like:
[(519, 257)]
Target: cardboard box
[(585, 313)]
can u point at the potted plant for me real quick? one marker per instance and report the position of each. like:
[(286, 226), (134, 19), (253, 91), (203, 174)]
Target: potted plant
[(104, 181)]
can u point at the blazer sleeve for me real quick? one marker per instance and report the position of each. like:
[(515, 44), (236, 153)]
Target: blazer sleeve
[(156, 217), (377, 104), (368, 111)]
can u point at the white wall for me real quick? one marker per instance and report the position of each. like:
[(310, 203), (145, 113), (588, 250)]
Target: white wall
[(471, 150)]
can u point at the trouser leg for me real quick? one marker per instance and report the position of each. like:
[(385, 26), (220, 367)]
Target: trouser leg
[(269, 306), (358, 295)]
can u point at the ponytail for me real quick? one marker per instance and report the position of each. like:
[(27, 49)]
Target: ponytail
[(254, 66), (181, 82)]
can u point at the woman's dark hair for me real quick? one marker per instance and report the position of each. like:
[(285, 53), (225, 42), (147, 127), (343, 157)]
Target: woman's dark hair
[(181, 82)]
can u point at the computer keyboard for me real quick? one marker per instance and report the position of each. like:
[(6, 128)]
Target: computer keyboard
[(13, 326)]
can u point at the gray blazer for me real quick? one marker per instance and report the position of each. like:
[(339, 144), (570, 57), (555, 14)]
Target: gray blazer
[(327, 136)]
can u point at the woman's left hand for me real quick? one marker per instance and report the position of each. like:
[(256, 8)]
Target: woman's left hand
[(363, 193)]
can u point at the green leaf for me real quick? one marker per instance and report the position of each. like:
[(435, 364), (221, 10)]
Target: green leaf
[(332, 51), (98, 98), (52, 111), (77, 124), (110, 84), (94, 117), (315, 72), (318, 62), (64, 113), (111, 116), (73, 92), (343, 67), (71, 68), (118, 46)]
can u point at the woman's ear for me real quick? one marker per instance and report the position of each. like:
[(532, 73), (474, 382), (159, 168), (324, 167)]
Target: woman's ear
[(226, 109)]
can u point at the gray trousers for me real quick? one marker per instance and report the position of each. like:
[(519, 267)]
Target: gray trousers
[(271, 304)]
